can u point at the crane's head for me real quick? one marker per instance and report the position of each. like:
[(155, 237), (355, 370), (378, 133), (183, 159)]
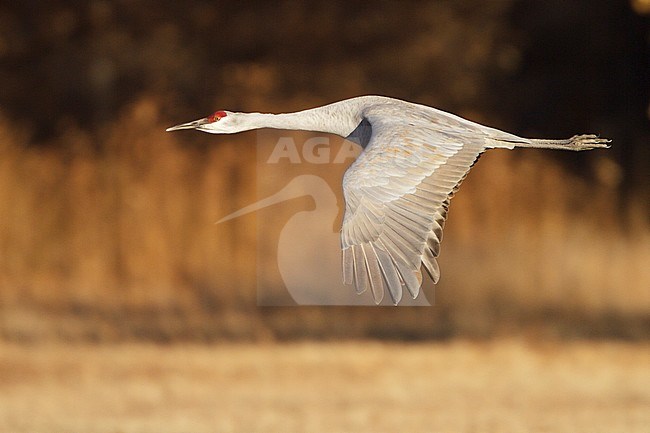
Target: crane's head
[(219, 122)]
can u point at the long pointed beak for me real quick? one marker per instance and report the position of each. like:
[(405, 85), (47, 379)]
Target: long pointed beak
[(189, 125)]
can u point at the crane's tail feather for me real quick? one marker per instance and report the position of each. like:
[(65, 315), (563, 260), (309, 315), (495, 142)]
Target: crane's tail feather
[(577, 142)]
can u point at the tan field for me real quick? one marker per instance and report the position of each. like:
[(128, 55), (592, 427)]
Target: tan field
[(500, 386)]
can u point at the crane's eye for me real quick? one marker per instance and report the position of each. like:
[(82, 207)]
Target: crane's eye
[(216, 116)]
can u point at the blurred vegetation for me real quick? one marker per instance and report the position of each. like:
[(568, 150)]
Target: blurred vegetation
[(106, 222)]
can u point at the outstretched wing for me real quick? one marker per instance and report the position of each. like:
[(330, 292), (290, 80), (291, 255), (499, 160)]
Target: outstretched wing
[(397, 195)]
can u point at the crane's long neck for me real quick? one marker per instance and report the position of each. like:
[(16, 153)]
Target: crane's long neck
[(335, 118)]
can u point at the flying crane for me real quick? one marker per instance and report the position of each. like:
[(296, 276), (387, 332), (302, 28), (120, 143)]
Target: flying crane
[(397, 192)]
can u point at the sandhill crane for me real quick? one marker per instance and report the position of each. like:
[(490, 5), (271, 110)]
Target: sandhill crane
[(398, 190)]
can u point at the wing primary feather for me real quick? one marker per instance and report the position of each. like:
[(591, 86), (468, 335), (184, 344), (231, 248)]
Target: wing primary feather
[(403, 244), (402, 225), (374, 273), (371, 230), (431, 265), (434, 245), (348, 265), (408, 239), (408, 272), (396, 252), (391, 277), (360, 270), (437, 229)]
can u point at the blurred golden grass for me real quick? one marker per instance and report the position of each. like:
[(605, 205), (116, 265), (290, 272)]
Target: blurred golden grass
[(505, 385), (121, 242)]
